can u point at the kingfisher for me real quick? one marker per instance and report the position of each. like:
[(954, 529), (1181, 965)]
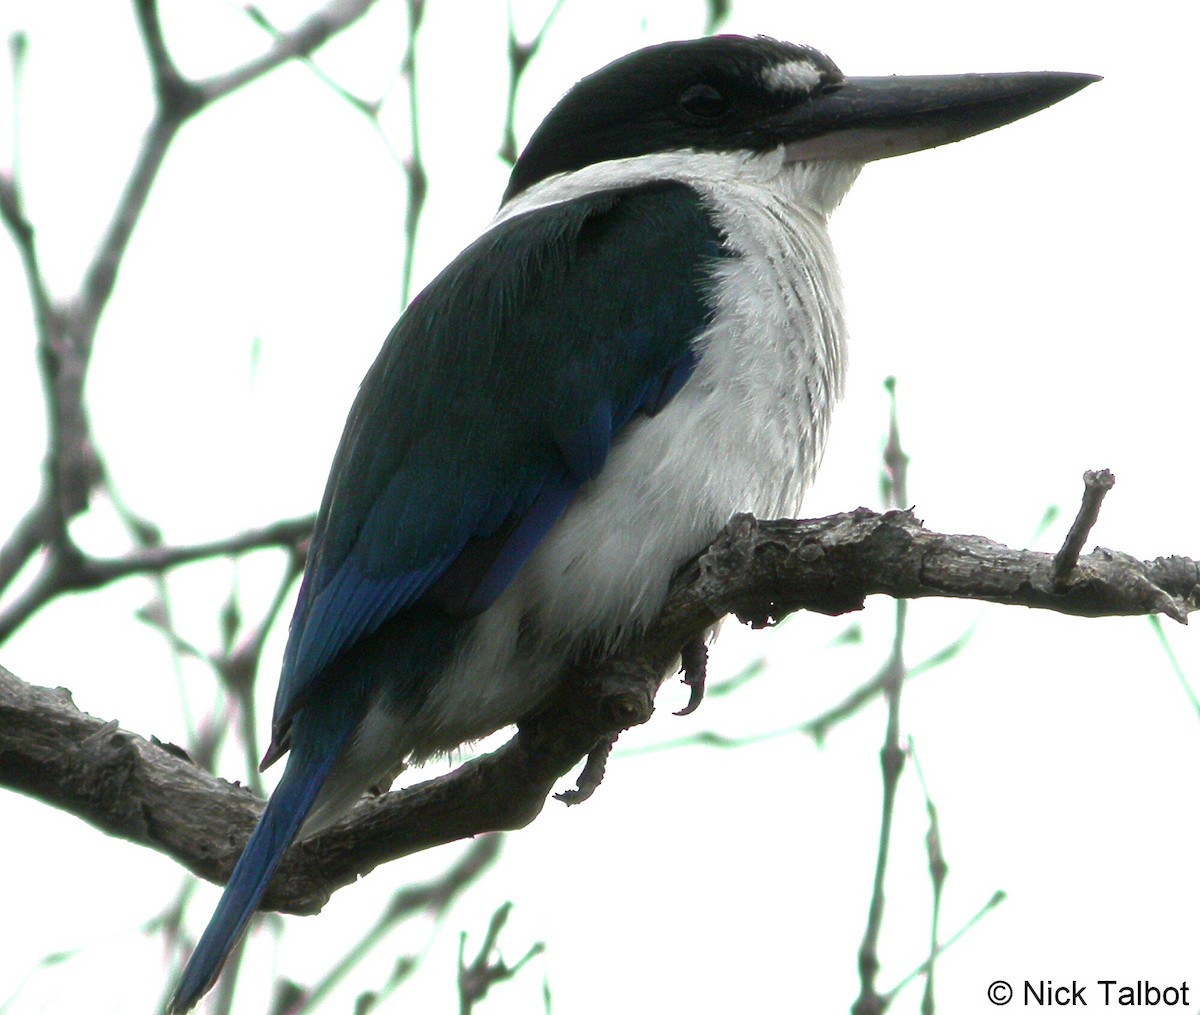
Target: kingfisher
[(647, 339)]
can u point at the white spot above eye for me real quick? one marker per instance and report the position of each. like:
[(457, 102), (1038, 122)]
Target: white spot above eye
[(792, 76)]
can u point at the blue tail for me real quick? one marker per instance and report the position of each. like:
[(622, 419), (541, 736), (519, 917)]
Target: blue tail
[(280, 822)]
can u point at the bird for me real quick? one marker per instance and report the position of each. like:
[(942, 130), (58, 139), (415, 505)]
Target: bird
[(648, 338)]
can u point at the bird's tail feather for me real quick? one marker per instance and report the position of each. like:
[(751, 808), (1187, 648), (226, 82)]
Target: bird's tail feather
[(284, 814)]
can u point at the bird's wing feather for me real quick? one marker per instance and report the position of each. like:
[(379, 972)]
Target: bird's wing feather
[(495, 397)]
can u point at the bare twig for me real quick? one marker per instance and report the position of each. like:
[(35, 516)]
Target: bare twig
[(894, 479), (891, 759), (484, 972), (997, 898), (818, 727), (307, 37), (416, 178), (519, 55), (12, 210), (66, 329), (1095, 485), (289, 533), (432, 899), (76, 571), (938, 869), (246, 656), (162, 67), (892, 756)]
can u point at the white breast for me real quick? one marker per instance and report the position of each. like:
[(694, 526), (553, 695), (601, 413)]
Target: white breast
[(744, 434)]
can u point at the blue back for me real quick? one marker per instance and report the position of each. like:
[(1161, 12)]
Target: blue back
[(494, 398)]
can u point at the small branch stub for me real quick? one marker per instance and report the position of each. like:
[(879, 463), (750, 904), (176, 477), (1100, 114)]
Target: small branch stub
[(1096, 483)]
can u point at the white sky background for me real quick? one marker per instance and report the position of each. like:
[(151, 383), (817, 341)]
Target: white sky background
[(1032, 289)]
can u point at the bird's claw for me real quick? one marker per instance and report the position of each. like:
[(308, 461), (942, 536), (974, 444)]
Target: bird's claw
[(592, 775), (693, 658)]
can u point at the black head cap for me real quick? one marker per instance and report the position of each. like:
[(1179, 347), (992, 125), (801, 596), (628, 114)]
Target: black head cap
[(710, 94)]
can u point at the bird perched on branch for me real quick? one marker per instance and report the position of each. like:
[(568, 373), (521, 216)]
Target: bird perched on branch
[(647, 339)]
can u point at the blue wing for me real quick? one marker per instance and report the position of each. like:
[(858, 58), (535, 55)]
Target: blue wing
[(496, 396), (493, 400)]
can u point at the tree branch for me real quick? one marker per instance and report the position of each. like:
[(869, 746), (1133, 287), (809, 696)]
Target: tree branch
[(66, 329), (151, 794), (77, 571), (302, 41)]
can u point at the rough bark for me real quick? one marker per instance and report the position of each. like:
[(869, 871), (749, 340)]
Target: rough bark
[(151, 794)]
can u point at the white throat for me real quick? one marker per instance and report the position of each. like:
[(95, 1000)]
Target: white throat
[(817, 186)]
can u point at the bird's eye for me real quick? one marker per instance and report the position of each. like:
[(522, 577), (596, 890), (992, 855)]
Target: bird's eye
[(703, 103)]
